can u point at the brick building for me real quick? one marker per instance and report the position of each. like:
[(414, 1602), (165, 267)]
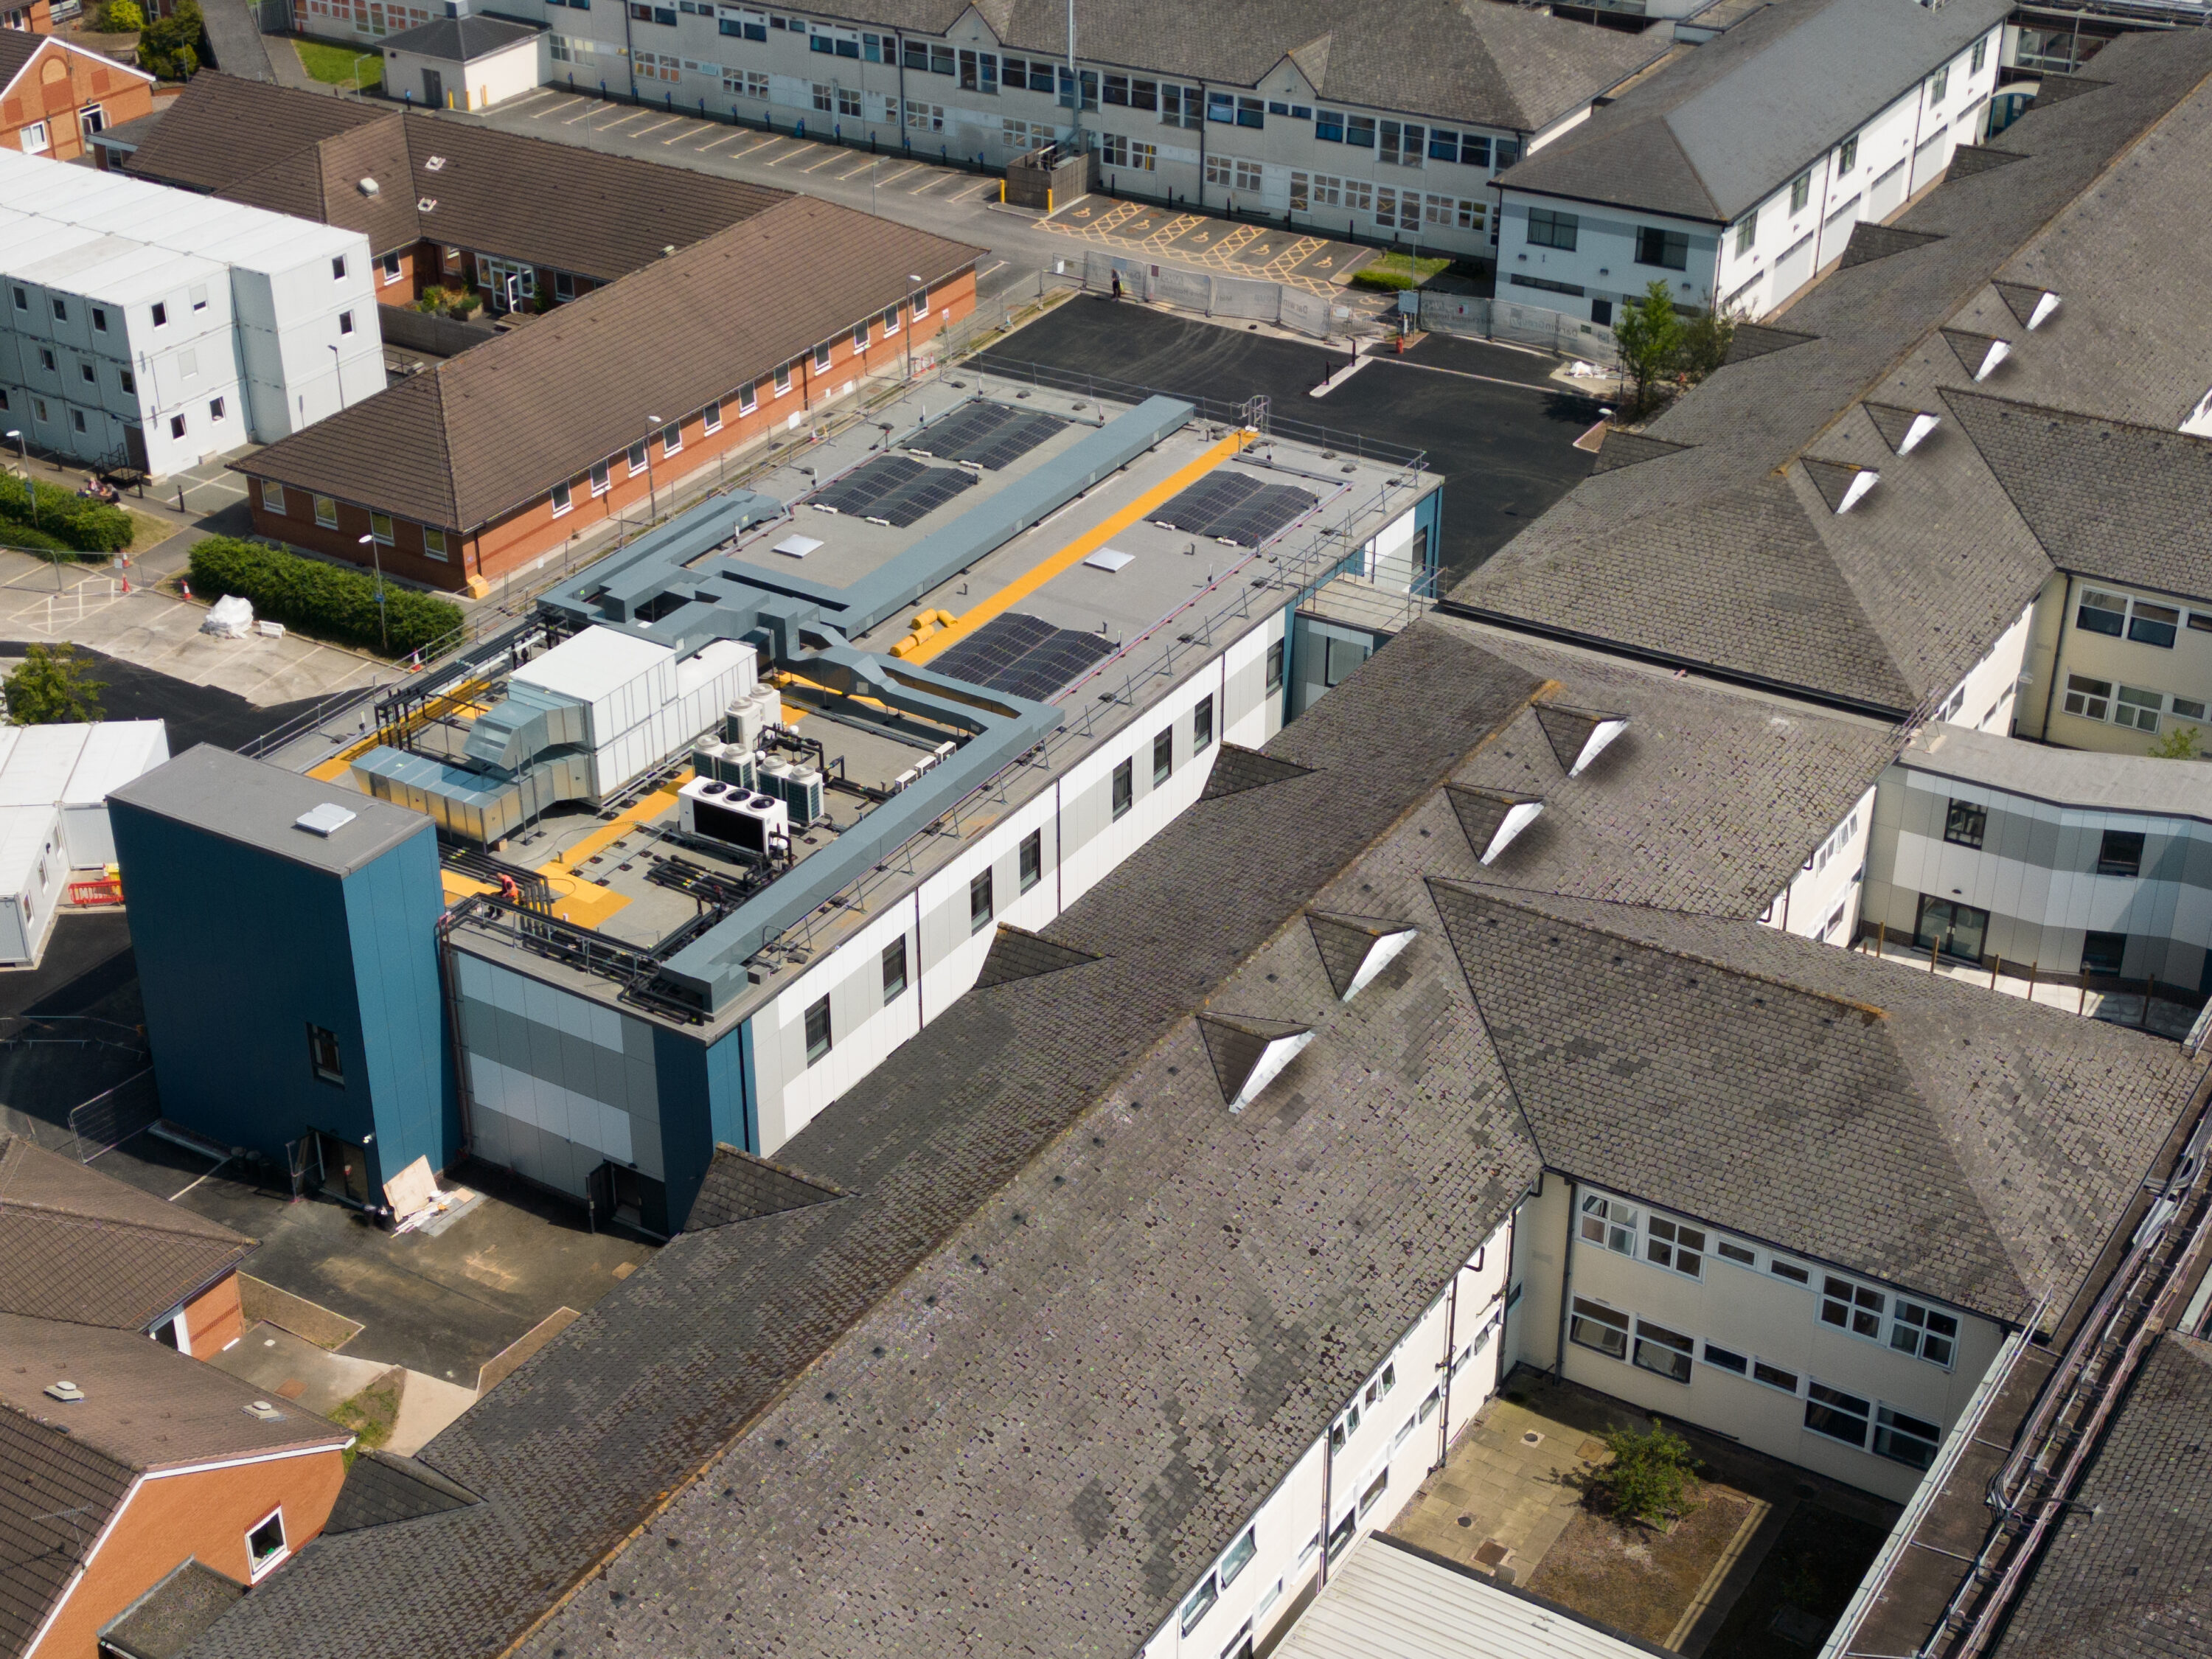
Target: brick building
[(55, 97), (493, 458), (35, 17)]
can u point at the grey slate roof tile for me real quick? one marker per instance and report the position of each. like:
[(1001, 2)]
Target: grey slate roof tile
[(163, 1622), (1869, 241), (382, 1487), (741, 1187), (1018, 954)]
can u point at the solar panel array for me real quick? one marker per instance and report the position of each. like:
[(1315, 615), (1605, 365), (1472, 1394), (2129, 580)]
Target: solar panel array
[(987, 434), (894, 489), (1023, 656), (1236, 506)]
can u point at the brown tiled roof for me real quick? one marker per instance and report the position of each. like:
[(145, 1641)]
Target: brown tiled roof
[(66, 1467), (77, 1245), (506, 193), (485, 432)]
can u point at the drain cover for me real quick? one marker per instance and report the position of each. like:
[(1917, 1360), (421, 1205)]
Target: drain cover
[(1492, 1553), (1532, 1438), (1467, 1520)]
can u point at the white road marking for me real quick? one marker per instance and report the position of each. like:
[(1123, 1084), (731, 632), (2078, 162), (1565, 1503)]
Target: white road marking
[(807, 148)]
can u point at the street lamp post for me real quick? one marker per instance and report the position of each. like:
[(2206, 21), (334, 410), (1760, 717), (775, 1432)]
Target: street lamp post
[(913, 281), (383, 628), (337, 369), (651, 423)]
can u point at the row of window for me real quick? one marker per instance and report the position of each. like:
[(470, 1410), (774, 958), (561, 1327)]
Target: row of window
[(381, 530), (2131, 706), (1665, 250), (1838, 838), (1962, 931), (2140, 620), (218, 409), (1407, 209), (36, 138), (2119, 852), (982, 906), (1835, 1414), (1908, 1327)]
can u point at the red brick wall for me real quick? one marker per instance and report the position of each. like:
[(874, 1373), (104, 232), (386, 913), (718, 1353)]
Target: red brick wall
[(527, 535), (34, 16), (55, 85), (213, 1318)]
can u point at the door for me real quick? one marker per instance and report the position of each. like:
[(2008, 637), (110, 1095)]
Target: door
[(134, 445), (434, 89), (346, 1169), (92, 118), (1955, 929)]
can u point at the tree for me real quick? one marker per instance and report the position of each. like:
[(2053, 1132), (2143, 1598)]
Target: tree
[(1650, 335), (170, 47), (1648, 1478), (121, 17), (1706, 341), (52, 686), (2180, 744)]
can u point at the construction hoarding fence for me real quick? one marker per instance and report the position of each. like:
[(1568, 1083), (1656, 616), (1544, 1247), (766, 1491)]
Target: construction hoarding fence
[(1505, 320), (1243, 297)]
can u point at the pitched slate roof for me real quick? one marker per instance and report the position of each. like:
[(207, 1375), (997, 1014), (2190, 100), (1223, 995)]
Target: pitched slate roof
[(65, 1466), (438, 447), (163, 1622), (1035, 1129), (2128, 1571), (1718, 131), (1978, 1149), (461, 39), (1724, 556), (381, 1487), (77, 1245), (522, 198)]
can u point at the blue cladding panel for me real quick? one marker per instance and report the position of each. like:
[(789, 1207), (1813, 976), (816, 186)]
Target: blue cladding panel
[(393, 907)]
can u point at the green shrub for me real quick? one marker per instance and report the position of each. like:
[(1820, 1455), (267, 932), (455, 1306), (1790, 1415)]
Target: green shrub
[(80, 522), (121, 17), (1648, 1478), (54, 683), (321, 598), (1385, 281), (14, 533), (169, 47)]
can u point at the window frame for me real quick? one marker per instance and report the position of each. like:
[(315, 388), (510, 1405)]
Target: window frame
[(1201, 724), (260, 1565), (982, 901), (1163, 756), (1830, 1404), (563, 498), (1124, 786), (1966, 822), (328, 520), (892, 959), (1596, 1224), (1601, 1318), (1029, 860), (272, 495), (818, 1047), (435, 545), (1892, 1426), (2120, 853), (1555, 223), (1668, 1249), (1672, 1352), (325, 1054)]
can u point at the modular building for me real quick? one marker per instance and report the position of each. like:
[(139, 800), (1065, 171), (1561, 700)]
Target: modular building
[(943, 672), (152, 327)]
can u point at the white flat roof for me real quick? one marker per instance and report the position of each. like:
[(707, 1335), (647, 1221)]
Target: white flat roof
[(1386, 1602), (38, 768), (598, 661), (115, 751)]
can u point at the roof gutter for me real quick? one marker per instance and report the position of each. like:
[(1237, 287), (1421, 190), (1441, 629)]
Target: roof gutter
[(1886, 712), (1503, 182)]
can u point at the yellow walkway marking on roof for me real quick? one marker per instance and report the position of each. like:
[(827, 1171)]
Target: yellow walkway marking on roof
[(650, 807), (461, 700), (1078, 549)]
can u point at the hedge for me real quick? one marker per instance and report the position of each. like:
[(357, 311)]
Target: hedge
[(16, 535), (82, 523), (322, 599)]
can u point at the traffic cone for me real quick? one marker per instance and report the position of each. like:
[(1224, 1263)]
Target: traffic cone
[(187, 587)]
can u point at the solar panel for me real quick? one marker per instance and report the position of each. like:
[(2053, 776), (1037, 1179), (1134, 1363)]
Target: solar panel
[(1236, 506), (1023, 656), (894, 489), (987, 434)]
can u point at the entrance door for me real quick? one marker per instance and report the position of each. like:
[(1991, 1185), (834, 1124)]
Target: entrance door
[(92, 118), (134, 445), (434, 89), (513, 288), (1955, 929), (346, 1169)]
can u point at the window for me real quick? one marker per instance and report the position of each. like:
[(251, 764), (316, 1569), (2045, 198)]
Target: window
[(1344, 1428), (131, 385), (1031, 860), (637, 457), (1340, 658), (861, 335), (1274, 675), (979, 902), (47, 360), (1905, 1440), (1742, 1254), (322, 1055), (1837, 1415), (1340, 1535), (176, 425), (2091, 699), (1847, 154), (1550, 229), (1965, 823), (1201, 725), (1125, 788), (890, 321), (337, 269), (1854, 1308), (390, 266), (1669, 249), (1596, 1326), (1773, 1377), (433, 544), (1981, 55), (345, 322), (87, 373), (711, 419), (1400, 144), (818, 1030), (161, 314), (1360, 131), (1239, 1557), (671, 439), (1375, 1488), (1670, 1244), (1728, 1360), (265, 1548), (1788, 1270), (76, 419), (2101, 613), (272, 495), (2154, 624), (563, 500), (895, 970), (1610, 1222), (1162, 756), (1939, 89), (2104, 953), (822, 356), (1801, 191), (748, 399), (920, 303), (2120, 853), (601, 482), (783, 380), (214, 409), (1663, 1352), (326, 513), (1924, 1332), (1200, 1603), (99, 319)]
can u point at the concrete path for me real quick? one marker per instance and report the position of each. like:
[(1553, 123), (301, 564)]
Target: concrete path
[(1508, 1489), (289, 1368), (427, 1406)]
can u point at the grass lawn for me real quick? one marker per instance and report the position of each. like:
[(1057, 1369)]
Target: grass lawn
[(338, 65), (1398, 270)]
